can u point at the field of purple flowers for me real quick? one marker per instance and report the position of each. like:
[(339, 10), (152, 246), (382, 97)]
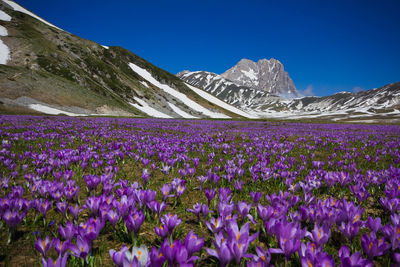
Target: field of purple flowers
[(143, 192)]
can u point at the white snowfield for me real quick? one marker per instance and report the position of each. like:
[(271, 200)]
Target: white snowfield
[(52, 111), (4, 50), (143, 106), (3, 31), (4, 53), (19, 8), (180, 112), (220, 103), (106, 47), (182, 97), (145, 84), (4, 16)]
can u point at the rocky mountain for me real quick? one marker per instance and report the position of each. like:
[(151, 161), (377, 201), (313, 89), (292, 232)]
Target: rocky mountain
[(376, 105), (48, 70), (381, 104), (242, 97), (266, 75)]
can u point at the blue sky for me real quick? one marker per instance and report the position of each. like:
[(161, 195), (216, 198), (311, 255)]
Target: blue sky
[(326, 46)]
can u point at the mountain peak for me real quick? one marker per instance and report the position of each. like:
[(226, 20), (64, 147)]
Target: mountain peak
[(268, 75)]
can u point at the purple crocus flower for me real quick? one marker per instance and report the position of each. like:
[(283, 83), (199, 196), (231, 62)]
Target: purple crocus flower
[(289, 236), (210, 194), (372, 246), (161, 231), (202, 179), (196, 210), (62, 207), (12, 218), (240, 240), (261, 259), (319, 259), (157, 207), (224, 253), (112, 216), (204, 210), (74, 210), (60, 262), (192, 243), (134, 220), (349, 230), (214, 225), (225, 208), (118, 256), (177, 252), (123, 206), (90, 229), (169, 250), (145, 175), (165, 191), (43, 246), (256, 196), (43, 206), (392, 233), (374, 224), (156, 258), (180, 189), (61, 246), (170, 221), (320, 235), (82, 247), (355, 260), (68, 232), (244, 209), (93, 204)]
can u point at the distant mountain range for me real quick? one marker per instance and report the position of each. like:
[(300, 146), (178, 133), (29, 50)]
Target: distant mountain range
[(370, 106), (44, 69)]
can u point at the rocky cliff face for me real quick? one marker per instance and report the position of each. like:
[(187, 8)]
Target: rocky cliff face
[(266, 75)]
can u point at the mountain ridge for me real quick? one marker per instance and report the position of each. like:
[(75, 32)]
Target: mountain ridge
[(55, 70)]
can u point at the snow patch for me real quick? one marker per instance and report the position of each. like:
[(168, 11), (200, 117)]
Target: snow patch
[(180, 112), (106, 47), (145, 84), (4, 53), (19, 8), (250, 74), (4, 16), (52, 111), (143, 106), (182, 97), (3, 31), (219, 102)]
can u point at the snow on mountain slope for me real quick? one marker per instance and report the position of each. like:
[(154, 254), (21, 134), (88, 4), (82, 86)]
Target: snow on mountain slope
[(4, 50), (180, 112), (178, 95), (143, 106), (53, 111), (241, 97), (4, 16), (19, 8), (221, 103)]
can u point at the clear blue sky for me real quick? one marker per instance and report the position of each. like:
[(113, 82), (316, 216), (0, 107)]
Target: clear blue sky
[(329, 45)]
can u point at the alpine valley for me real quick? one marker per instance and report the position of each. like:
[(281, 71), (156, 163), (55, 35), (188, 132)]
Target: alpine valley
[(44, 69)]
